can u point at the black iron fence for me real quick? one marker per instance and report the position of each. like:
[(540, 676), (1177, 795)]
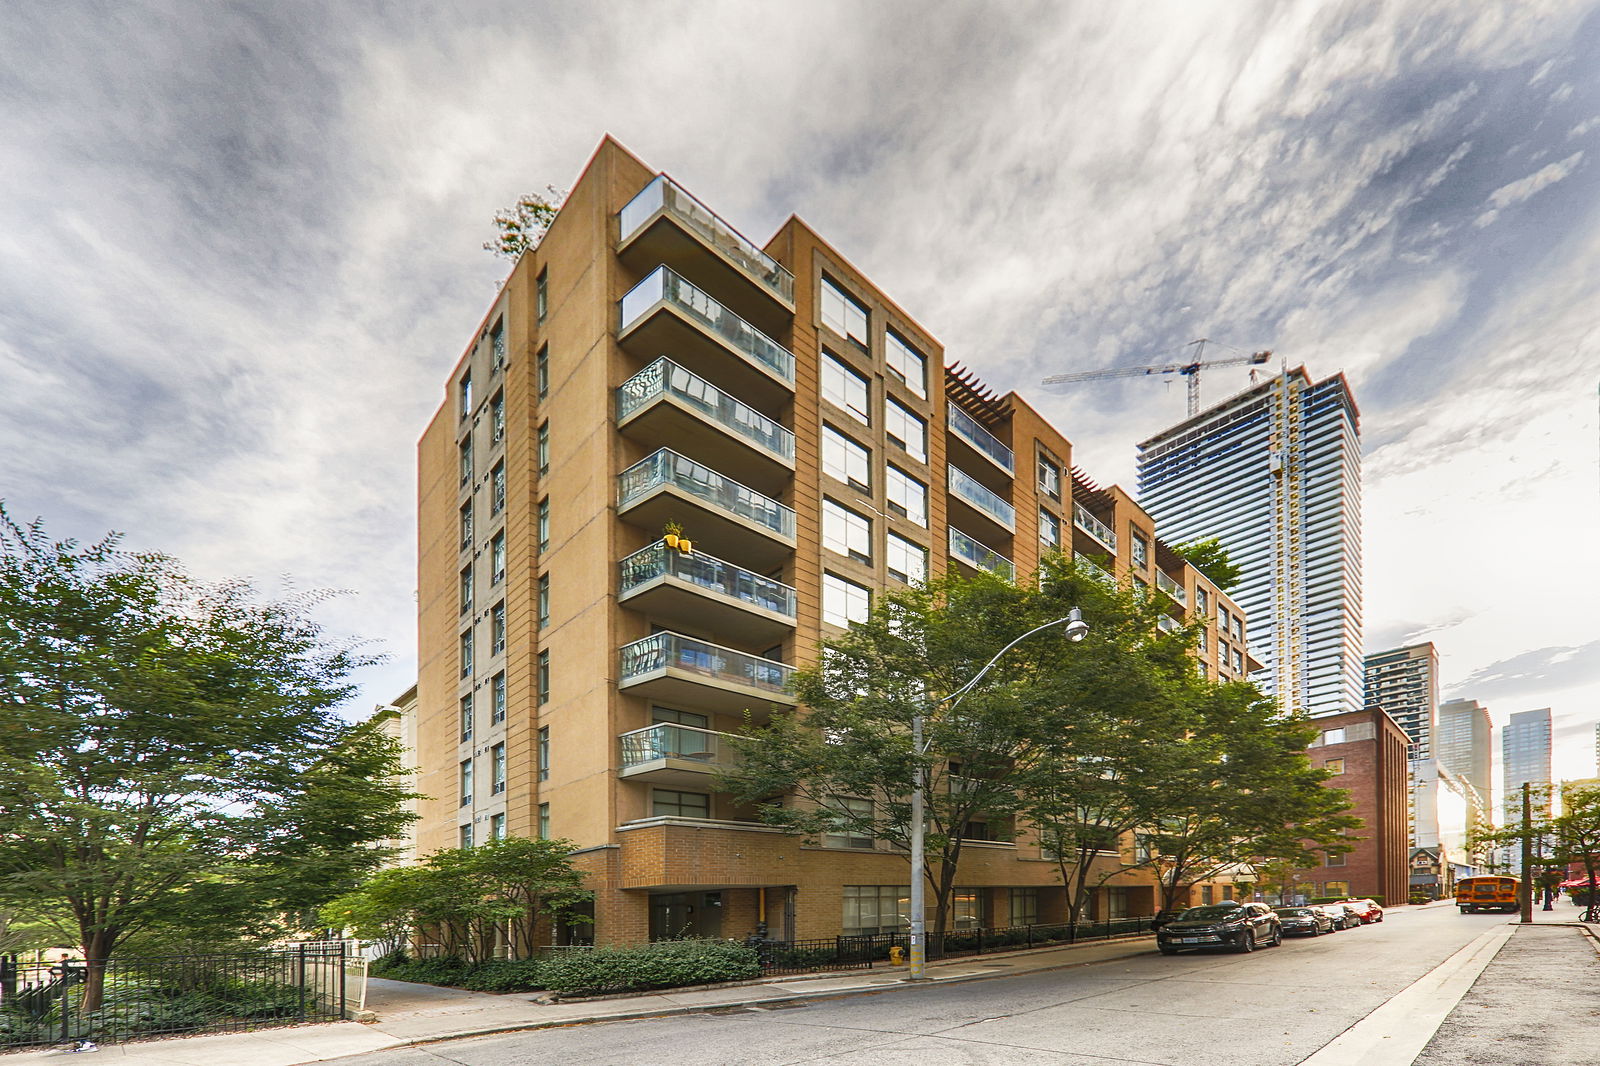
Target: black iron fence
[(65, 1001), (780, 957)]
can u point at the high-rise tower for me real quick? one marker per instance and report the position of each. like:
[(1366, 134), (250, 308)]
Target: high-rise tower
[(1405, 682), (1525, 758), (1464, 742), (1274, 473)]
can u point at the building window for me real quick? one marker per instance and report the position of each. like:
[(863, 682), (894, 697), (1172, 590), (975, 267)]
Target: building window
[(466, 589), (464, 836), (497, 558), (497, 827), (544, 677), (497, 778), (668, 804), (1049, 479), (497, 628), (1200, 644), (905, 363), (464, 449), (544, 447), (1222, 619), (497, 705), (1333, 736), (541, 295), (544, 753), (871, 909), (1337, 889), (466, 525), (1238, 661), (465, 391), (846, 533), (1333, 766), (544, 821), (497, 418), (544, 600), (1335, 860), (906, 561), (1238, 628), (906, 496), (1202, 602), (497, 489), (1049, 529), (466, 717), (1139, 549), (842, 314), (1024, 906), (466, 654), (541, 365), (850, 814), (845, 460), (906, 430), (544, 524), (845, 389), (1207, 894), (844, 601), (497, 343), (966, 909), (464, 779)]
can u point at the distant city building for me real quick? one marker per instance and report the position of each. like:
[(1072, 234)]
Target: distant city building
[(1443, 805), (1597, 749), (399, 721), (1525, 759), (1464, 743), (1405, 683), (1274, 473)]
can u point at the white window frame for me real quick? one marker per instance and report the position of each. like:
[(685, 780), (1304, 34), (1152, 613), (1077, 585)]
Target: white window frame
[(899, 488), (905, 363), (846, 388), (844, 314), (1049, 522), (846, 533), (845, 460), (844, 601), (906, 559), (906, 430)]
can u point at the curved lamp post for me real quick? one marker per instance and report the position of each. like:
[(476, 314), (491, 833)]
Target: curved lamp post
[(1077, 629)]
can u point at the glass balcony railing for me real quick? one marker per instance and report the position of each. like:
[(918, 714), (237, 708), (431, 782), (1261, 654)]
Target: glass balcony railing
[(968, 489), (665, 286), (663, 651), (966, 427), (978, 555), (1171, 588), (708, 572), (1095, 570), (664, 377), (663, 192), (667, 467), (1093, 526), (688, 743), (1166, 624)]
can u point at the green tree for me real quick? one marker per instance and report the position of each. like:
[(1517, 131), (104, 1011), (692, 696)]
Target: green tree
[(522, 226), (1577, 839), (1210, 558), (169, 753)]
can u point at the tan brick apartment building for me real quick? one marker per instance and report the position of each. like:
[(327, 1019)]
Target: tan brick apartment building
[(647, 365)]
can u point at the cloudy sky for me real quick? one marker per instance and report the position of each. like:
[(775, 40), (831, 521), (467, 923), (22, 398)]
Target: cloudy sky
[(239, 249)]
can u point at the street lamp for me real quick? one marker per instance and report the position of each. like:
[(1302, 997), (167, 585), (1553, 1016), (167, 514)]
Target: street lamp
[(1077, 629)]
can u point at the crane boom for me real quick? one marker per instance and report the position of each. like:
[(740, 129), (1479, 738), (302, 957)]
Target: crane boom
[(1190, 370)]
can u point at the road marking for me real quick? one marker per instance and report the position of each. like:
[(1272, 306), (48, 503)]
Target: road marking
[(1396, 1033)]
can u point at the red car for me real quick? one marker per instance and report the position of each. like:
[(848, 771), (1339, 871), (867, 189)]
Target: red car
[(1370, 911)]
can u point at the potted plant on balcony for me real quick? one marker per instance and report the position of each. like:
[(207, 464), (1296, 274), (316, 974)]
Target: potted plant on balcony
[(672, 536)]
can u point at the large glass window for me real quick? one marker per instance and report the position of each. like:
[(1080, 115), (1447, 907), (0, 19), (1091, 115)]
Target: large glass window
[(845, 460), (464, 450), (850, 821), (544, 821), (1049, 529), (542, 371), (466, 589), (906, 430), (466, 525), (1049, 479), (544, 753), (1024, 906), (464, 779), (842, 314), (497, 343), (497, 827), (497, 776), (846, 389), (906, 496), (544, 448), (541, 295), (1139, 550), (544, 600), (870, 909), (497, 628), (544, 677), (465, 392), (466, 654), (844, 601), (498, 704), (846, 533), (497, 417), (906, 561), (665, 803), (466, 717), (544, 524), (464, 836), (905, 363), (497, 489), (497, 557)]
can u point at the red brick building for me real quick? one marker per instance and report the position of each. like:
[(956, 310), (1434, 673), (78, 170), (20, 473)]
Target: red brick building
[(1366, 752)]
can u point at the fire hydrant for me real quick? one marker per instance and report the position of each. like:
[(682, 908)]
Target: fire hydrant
[(897, 955)]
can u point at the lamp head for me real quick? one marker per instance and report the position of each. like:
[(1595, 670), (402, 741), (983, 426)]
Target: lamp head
[(1077, 628)]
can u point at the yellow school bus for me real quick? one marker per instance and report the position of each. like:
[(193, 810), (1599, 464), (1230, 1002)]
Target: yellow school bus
[(1487, 894)]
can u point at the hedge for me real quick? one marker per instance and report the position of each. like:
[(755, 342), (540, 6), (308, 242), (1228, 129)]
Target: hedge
[(667, 964), (496, 975)]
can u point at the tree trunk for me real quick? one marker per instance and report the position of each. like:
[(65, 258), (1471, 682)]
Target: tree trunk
[(96, 950)]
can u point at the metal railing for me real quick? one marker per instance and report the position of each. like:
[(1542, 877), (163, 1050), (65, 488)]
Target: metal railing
[(1172, 588), (664, 377), (661, 651), (974, 554), (708, 572), (663, 285), (1094, 570), (967, 428), (664, 193), (667, 467), (667, 741), (1093, 526), (968, 488)]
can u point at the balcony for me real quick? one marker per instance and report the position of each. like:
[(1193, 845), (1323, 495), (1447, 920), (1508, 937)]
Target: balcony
[(981, 500), (1093, 526), (1168, 624), (717, 513), (964, 549), (664, 313), (1172, 588), (666, 405), (685, 672), (675, 755), (1094, 570), (664, 224), (703, 592), (981, 442)]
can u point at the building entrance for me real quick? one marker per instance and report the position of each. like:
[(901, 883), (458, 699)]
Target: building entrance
[(675, 915)]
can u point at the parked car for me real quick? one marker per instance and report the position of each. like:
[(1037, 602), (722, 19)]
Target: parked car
[(1369, 909), (1162, 918), (1343, 917), (1310, 921), (1231, 924)]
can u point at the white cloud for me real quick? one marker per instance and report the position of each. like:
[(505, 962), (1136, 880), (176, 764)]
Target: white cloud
[(1523, 188)]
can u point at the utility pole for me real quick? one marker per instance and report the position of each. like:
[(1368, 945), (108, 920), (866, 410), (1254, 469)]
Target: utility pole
[(1527, 856)]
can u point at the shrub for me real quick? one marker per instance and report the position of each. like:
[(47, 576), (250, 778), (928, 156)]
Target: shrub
[(504, 975), (669, 964), (447, 970)]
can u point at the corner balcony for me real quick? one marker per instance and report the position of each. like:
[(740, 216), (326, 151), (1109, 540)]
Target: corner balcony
[(664, 313), (664, 224), (665, 405), (685, 672), (1084, 520), (1172, 588), (699, 591), (675, 755), (717, 513), (964, 549), (981, 501), (978, 443)]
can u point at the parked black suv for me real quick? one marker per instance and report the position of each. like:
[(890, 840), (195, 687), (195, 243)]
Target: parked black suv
[(1240, 926)]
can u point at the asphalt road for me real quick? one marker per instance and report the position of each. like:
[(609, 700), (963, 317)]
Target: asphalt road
[(1271, 1008)]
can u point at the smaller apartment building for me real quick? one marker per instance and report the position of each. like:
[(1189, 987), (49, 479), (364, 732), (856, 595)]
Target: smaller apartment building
[(1365, 752)]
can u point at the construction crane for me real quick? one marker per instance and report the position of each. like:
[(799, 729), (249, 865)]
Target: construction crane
[(1190, 370)]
